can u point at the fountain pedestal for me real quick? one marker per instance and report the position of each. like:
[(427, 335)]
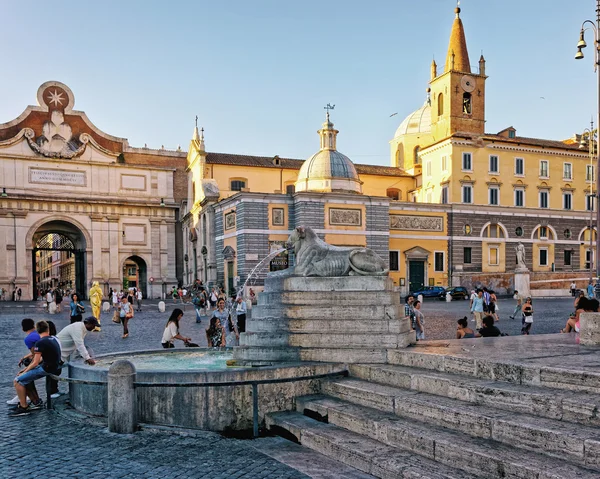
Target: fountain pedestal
[(347, 319)]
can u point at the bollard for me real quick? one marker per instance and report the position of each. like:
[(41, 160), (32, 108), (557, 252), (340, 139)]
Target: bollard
[(122, 400), (161, 306), (448, 298)]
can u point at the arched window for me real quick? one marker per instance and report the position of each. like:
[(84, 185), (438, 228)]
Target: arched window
[(394, 194), (417, 160), (440, 104), (493, 231), (290, 189), (467, 107), (237, 185), (400, 156)]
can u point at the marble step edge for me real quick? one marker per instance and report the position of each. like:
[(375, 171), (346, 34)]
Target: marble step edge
[(330, 355), (393, 326), (573, 406), (500, 370), (482, 457), (326, 297), (321, 340), (552, 437), (365, 454)]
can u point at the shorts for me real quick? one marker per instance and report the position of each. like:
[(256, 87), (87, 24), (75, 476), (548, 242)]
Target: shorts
[(491, 308), (32, 375)]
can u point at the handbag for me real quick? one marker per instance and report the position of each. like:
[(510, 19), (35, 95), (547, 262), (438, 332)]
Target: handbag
[(80, 308), (129, 315), (116, 318)]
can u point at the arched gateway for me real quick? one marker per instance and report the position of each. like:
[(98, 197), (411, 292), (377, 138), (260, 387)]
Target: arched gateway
[(58, 258)]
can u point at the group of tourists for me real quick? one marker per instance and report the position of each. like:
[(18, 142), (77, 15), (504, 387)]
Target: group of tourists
[(15, 295), (47, 353)]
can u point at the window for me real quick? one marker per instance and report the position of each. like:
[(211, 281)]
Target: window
[(467, 108), (444, 163), (512, 133), (519, 197), (290, 189), (439, 261), (467, 194), (417, 158), (568, 257), (589, 173), (440, 104), (544, 199), (467, 255), (543, 232), (494, 194), (568, 234), (543, 257), (567, 201), (468, 229), (394, 261), (444, 195), (467, 162), (590, 204), (544, 168), (519, 166), (588, 258), (493, 164), (428, 168), (493, 257), (519, 231), (237, 185), (567, 171), (393, 194)]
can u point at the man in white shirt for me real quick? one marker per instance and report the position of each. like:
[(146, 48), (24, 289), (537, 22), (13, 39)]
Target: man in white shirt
[(138, 298), (71, 339)]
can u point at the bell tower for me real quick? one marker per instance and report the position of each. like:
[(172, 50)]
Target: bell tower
[(457, 94)]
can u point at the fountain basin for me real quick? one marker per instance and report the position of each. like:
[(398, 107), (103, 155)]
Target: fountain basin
[(227, 408)]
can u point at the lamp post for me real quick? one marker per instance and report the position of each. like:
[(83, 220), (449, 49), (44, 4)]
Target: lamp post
[(582, 145), (595, 27)]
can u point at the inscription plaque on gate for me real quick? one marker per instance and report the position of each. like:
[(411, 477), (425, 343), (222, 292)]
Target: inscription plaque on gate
[(57, 177)]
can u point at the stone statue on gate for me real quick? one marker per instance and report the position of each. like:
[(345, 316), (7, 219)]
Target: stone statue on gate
[(314, 257), (96, 295)]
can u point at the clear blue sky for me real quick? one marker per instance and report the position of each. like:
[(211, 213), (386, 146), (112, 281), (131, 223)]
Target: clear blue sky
[(258, 73)]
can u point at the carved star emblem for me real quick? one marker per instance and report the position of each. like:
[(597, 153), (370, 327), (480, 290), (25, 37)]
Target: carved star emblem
[(56, 98)]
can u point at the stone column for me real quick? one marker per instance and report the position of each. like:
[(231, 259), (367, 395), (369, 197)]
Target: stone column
[(122, 400), (589, 329)]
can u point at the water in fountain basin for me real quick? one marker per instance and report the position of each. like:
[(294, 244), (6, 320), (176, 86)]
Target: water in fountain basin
[(197, 361)]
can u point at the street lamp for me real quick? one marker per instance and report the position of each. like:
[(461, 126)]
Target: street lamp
[(582, 145), (595, 27)]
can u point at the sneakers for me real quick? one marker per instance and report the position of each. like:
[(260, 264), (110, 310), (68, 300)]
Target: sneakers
[(14, 401), (20, 411), (35, 405)]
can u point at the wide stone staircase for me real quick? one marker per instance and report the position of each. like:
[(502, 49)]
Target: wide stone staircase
[(430, 416)]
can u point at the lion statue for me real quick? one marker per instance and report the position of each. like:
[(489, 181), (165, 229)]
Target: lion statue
[(314, 257)]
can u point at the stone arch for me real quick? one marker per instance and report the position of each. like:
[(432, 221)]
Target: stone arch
[(584, 229), (144, 264), (550, 228), (59, 218), (489, 223)]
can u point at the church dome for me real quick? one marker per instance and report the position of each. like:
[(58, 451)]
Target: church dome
[(418, 121), (328, 170)]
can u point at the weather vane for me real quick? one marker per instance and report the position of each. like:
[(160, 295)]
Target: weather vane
[(329, 107), (196, 121)]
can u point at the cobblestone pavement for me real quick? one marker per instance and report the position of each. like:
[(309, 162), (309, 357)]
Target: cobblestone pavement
[(48, 444), (45, 444), (550, 316)]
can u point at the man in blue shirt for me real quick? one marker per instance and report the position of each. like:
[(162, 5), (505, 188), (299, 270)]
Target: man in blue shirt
[(477, 309), (31, 337), (590, 291)]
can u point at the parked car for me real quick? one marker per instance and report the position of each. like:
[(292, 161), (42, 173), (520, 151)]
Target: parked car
[(457, 293), (429, 291)]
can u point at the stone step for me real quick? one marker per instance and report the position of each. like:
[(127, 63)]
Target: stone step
[(481, 457), (561, 439), (499, 370), (363, 453), (574, 406), (333, 284), (351, 298), (333, 311), (333, 355), (316, 325), (322, 340)]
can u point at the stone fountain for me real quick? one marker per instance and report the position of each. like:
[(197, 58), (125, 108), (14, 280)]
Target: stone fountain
[(336, 305)]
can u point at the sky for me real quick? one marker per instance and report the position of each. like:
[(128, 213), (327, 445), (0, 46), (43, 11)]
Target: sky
[(258, 73)]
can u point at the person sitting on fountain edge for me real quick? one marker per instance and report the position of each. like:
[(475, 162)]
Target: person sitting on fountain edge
[(489, 330)]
